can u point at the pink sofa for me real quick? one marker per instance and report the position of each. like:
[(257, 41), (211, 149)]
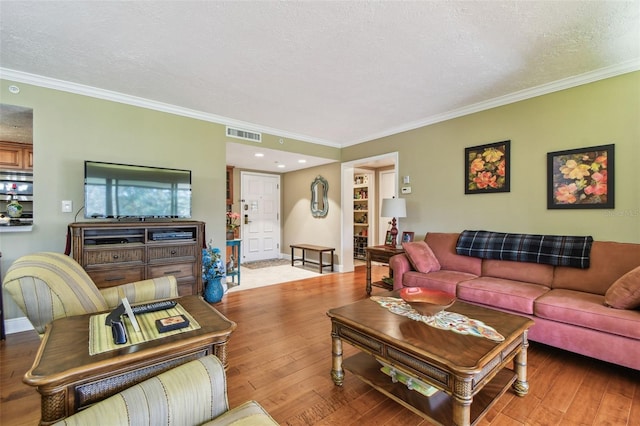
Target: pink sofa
[(566, 303)]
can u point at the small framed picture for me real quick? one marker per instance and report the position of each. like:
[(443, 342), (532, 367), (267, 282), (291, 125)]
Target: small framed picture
[(407, 237), (388, 240)]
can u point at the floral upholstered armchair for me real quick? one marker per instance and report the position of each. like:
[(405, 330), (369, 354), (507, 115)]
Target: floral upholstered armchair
[(48, 286)]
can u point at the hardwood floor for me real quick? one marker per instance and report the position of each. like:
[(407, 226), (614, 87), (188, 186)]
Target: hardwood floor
[(280, 355)]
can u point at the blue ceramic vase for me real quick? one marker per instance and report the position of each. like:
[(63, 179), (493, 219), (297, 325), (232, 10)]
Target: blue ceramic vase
[(213, 290)]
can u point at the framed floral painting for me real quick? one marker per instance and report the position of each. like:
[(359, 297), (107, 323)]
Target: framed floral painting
[(581, 178), (487, 168)]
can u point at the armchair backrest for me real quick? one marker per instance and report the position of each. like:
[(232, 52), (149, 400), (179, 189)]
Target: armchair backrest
[(48, 286), (189, 395)]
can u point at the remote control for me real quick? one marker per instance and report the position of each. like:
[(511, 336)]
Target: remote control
[(154, 306), (118, 332)]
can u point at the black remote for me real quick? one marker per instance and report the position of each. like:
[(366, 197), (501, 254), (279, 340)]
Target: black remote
[(119, 333), (154, 306)]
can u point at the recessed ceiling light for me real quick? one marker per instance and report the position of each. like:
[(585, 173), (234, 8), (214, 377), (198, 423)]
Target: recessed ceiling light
[(281, 166), (258, 154), (302, 161)]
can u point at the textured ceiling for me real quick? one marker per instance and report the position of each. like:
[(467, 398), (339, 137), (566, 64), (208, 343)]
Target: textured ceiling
[(335, 73)]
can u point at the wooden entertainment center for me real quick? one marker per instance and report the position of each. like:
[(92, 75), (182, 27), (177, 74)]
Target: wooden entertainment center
[(115, 253)]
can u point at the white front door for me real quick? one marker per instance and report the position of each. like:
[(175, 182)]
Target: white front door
[(260, 216)]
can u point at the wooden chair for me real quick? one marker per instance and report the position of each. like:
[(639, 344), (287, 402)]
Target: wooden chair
[(48, 286)]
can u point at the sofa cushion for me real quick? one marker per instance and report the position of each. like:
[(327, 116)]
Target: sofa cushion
[(516, 296), (421, 257), (442, 280), (609, 261), (508, 269), (587, 310), (625, 292), (443, 246)]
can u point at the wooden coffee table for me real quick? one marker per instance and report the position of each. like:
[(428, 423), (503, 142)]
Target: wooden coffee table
[(469, 372), (69, 379)]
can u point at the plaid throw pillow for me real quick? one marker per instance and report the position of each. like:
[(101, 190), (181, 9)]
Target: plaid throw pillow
[(554, 250)]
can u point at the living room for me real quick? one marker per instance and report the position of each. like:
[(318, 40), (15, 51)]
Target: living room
[(597, 108)]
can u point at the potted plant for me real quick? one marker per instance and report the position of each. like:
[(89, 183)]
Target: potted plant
[(214, 274)]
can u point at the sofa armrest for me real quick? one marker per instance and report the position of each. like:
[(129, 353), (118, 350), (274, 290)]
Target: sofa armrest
[(142, 291), (189, 394), (249, 413), (399, 264)]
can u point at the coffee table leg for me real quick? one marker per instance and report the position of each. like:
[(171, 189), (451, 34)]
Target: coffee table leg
[(462, 400), (337, 373), (521, 385)]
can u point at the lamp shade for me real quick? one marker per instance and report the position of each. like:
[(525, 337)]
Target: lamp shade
[(393, 207)]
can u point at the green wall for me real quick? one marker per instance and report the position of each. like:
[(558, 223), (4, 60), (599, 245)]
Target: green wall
[(600, 113), (69, 129), (300, 227)]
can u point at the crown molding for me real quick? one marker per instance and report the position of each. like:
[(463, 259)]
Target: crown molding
[(80, 89), (544, 89), (108, 95)]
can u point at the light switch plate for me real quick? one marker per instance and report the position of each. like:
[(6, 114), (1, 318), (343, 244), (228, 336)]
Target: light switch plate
[(406, 190), (67, 206)]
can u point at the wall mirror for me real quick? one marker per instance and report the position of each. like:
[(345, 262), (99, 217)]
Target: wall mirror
[(319, 201)]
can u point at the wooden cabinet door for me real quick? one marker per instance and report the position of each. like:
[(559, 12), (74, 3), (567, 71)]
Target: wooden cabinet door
[(11, 155)]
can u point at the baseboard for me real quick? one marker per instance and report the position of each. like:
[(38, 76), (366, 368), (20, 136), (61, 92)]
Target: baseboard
[(17, 325)]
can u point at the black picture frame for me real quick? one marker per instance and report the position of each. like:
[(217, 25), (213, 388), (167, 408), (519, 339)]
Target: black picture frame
[(581, 178), (488, 168)]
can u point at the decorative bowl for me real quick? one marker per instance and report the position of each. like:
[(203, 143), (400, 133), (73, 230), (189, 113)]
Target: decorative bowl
[(426, 301)]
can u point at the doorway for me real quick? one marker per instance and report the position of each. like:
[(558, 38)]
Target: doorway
[(387, 161), (260, 216), (387, 189)]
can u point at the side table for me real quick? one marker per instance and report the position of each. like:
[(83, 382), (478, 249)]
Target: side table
[(233, 252), (380, 254), (68, 378)]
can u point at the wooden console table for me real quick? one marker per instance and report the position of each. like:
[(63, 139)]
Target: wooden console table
[(115, 253), (318, 249), (380, 254), (69, 379)]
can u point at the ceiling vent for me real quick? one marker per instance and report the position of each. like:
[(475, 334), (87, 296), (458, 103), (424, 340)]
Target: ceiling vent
[(232, 132)]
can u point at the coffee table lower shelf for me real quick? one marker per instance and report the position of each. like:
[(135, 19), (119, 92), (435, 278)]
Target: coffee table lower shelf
[(438, 407)]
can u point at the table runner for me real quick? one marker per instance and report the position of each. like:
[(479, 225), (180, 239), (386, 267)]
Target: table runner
[(101, 339), (443, 320)]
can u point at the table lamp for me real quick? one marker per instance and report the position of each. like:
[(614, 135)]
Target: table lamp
[(393, 207)]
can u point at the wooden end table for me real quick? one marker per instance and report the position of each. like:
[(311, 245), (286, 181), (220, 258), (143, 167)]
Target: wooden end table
[(470, 372), (69, 379), (380, 254)]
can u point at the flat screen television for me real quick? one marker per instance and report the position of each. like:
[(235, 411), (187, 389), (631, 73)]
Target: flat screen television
[(123, 191)]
